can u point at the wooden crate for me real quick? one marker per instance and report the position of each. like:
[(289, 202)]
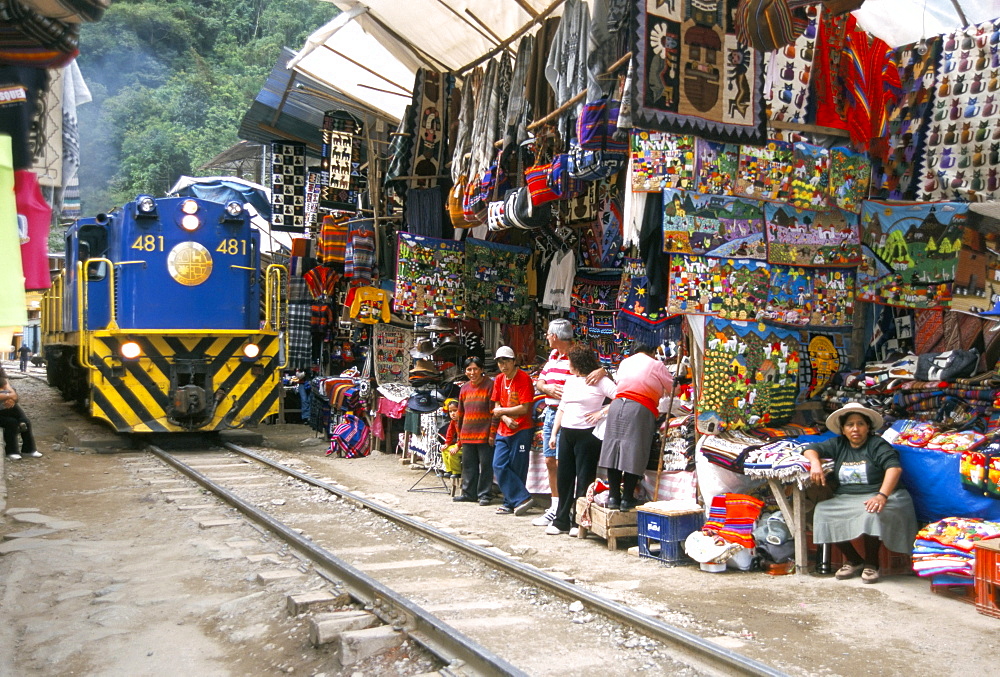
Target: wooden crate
[(608, 524)]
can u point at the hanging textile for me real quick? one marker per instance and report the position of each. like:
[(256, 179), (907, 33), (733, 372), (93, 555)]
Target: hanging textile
[(299, 335), (764, 171), (713, 225), (332, 245), (430, 99), (871, 84), (850, 175), (34, 214), (595, 305), (916, 248), (750, 376), (822, 297), (342, 156), (810, 177), (636, 317), (429, 276), (730, 288), (827, 83), (792, 66), (392, 354), (693, 76), (360, 261), (566, 67), (496, 284), (661, 160), (288, 187), (828, 354), (601, 242), (716, 165), (802, 237)]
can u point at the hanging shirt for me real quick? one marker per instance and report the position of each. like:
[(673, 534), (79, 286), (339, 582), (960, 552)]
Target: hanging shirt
[(370, 305), (559, 284)]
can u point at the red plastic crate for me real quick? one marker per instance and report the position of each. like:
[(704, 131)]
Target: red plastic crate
[(889, 563), (987, 575)]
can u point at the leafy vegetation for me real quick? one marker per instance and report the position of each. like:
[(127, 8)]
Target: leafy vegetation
[(171, 80)]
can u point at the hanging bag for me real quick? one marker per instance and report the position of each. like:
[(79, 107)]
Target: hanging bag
[(596, 154)]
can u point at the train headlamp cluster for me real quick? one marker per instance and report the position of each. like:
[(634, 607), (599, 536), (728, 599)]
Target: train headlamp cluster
[(234, 209), (130, 350), (251, 351), (190, 221), (145, 207)]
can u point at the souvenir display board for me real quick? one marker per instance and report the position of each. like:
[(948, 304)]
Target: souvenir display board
[(764, 171), (712, 224), (661, 160), (734, 289), (288, 187), (810, 238), (496, 282), (918, 246), (821, 297), (692, 76), (963, 154), (751, 376), (429, 276), (392, 354), (715, 167)]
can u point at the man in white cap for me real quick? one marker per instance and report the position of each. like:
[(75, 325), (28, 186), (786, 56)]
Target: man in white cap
[(513, 394)]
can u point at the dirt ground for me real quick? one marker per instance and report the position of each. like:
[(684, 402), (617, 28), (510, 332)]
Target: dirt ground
[(98, 576)]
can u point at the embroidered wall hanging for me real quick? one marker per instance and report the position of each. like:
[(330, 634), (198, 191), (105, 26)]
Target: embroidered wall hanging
[(692, 76), (809, 238), (919, 244), (870, 271), (976, 284), (430, 104), (730, 288), (601, 240), (716, 165), (596, 328), (764, 171), (712, 224), (751, 376), (581, 208), (597, 290), (496, 282), (342, 157), (821, 297), (392, 354), (850, 175), (429, 276), (661, 160), (790, 69), (827, 354), (288, 187), (637, 319), (895, 177), (810, 177), (964, 153)]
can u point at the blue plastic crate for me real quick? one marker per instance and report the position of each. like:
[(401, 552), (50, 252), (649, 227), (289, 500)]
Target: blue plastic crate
[(668, 552), (662, 536)]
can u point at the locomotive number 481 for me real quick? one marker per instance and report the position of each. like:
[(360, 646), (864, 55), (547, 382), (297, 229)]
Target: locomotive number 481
[(154, 243), (232, 246)]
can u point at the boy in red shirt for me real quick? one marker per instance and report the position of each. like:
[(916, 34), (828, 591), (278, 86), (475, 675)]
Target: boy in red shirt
[(514, 393)]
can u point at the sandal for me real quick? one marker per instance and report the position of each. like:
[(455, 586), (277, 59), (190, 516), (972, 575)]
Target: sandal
[(849, 571), (870, 575), (504, 510)]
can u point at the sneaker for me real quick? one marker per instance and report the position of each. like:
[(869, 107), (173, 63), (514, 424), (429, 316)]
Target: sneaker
[(553, 530), (574, 532), (524, 506), (545, 520), (34, 454), (484, 501), (14, 457), (870, 575), (849, 571)]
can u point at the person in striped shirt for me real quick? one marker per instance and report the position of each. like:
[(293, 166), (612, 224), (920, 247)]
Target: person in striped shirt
[(476, 430)]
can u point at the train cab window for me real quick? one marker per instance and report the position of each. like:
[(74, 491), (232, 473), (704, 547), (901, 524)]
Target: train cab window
[(93, 243)]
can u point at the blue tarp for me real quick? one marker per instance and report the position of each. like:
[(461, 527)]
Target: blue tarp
[(223, 191), (932, 479)]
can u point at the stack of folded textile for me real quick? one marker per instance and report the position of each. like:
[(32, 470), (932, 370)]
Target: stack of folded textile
[(780, 460), (732, 516), (945, 548)]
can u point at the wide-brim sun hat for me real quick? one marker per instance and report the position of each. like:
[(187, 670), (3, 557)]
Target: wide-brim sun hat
[(833, 420)]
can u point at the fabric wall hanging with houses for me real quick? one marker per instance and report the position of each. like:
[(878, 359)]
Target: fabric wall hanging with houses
[(661, 160), (429, 276), (916, 248), (751, 376), (496, 282), (713, 225), (818, 297), (802, 237), (735, 289), (692, 76)]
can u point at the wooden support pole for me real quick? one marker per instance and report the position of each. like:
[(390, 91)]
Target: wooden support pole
[(514, 36)]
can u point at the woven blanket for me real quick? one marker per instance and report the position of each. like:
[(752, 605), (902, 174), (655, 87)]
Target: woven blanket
[(299, 335), (732, 516), (496, 281), (597, 290), (692, 76), (715, 225), (288, 187), (961, 533)]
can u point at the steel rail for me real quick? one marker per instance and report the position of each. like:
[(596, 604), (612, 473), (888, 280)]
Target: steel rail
[(696, 651), (461, 653)]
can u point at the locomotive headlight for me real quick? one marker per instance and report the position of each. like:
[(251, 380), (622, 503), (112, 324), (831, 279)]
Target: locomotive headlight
[(234, 209), (190, 222), (189, 207), (251, 351), (145, 204), (130, 350)]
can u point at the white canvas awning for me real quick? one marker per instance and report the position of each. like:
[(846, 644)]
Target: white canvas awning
[(902, 22)]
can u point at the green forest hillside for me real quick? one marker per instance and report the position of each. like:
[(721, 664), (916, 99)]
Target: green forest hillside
[(171, 80)]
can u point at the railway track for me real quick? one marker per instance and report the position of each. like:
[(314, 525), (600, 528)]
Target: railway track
[(477, 609)]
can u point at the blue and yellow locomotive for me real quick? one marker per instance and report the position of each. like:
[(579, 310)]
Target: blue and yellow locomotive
[(159, 322)]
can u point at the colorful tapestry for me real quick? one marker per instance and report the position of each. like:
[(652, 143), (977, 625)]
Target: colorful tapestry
[(810, 178), (828, 353), (581, 208), (850, 174), (716, 165), (430, 103), (929, 331), (919, 244), (801, 237), (751, 376), (976, 285), (790, 71), (661, 160), (712, 224), (392, 354), (692, 76), (764, 171), (964, 155), (733, 289), (496, 282), (596, 328), (821, 297), (429, 276), (636, 318), (597, 290), (895, 177), (342, 156), (288, 187), (870, 271), (601, 240)]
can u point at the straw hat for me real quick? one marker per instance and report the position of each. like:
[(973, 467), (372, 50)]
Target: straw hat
[(833, 420)]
